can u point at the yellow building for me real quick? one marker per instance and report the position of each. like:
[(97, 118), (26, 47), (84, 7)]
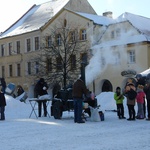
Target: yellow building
[(113, 48)]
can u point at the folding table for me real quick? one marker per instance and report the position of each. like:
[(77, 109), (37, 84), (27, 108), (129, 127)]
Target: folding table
[(33, 102)]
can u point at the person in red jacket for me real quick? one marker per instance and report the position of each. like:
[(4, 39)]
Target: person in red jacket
[(140, 98)]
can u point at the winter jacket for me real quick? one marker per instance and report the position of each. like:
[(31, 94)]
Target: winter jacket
[(3, 84), (41, 88), (119, 98), (140, 97), (2, 100), (147, 91), (127, 88), (79, 89)]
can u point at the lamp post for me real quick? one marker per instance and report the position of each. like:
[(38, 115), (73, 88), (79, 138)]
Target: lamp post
[(83, 65)]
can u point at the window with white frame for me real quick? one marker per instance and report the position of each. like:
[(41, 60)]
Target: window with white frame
[(36, 67), (2, 50), (48, 41), (72, 36), (112, 34), (18, 70), (10, 71), (118, 32), (49, 64), (18, 47), (117, 58), (28, 45), (29, 68), (58, 39), (131, 56), (37, 43), (83, 35), (10, 48), (3, 71)]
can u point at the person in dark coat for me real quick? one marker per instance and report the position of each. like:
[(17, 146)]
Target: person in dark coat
[(79, 89), (3, 84), (147, 92), (2, 106), (130, 102), (19, 90), (41, 89)]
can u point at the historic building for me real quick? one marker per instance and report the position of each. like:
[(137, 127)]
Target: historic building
[(114, 49)]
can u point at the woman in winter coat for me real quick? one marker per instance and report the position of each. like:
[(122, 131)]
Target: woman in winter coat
[(2, 106), (130, 102), (119, 102), (140, 98)]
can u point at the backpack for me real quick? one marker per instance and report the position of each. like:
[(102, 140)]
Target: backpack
[(132, 94)]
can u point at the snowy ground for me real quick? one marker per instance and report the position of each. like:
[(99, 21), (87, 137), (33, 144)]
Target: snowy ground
[(19, 132)]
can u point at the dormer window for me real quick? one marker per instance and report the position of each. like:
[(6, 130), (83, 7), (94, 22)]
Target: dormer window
[(65, 23)]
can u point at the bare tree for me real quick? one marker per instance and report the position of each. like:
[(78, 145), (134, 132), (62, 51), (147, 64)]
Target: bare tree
[(59, 59)]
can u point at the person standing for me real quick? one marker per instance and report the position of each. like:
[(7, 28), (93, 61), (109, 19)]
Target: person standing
[(147, 92), (119, 103), (140, 98), (79, 89), (2, 106), (41, 89), (3, 84), (130, 92)]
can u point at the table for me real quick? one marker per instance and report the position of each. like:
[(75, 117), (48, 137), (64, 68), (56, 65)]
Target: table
[(33, 102)]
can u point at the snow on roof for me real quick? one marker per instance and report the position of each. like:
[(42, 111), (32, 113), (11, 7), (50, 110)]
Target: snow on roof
[(35, 18), (139, 22), (101, 20)]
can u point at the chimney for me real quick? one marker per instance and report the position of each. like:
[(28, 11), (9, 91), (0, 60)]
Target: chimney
[(108, 14)]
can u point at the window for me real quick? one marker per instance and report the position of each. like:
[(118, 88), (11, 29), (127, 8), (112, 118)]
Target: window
[(36, 67), (49, 64), (29, 68), (18, 47), (10, 48), (28, 45), (83, 34), (112, 34), (36, 43), (59, 64), (3, 71), (49, 41), (116, 58), (118, 33), (73, 62), (18, 70), (58, 39), (65, 23), (2, 49), (10, 71), (72, 37), (131, 56)]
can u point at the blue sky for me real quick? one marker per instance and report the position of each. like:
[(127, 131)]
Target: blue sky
[(16, 8)]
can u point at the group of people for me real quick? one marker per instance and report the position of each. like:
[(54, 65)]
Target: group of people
[(139, 94)]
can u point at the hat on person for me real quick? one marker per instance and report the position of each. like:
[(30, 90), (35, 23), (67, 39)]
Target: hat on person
[(41, 79), (118, 88)]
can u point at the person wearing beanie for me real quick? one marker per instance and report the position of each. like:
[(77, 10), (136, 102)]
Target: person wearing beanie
[(140, 98), (119, 103)]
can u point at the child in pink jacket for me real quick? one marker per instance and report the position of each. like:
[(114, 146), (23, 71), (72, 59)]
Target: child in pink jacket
[(140, 98)]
